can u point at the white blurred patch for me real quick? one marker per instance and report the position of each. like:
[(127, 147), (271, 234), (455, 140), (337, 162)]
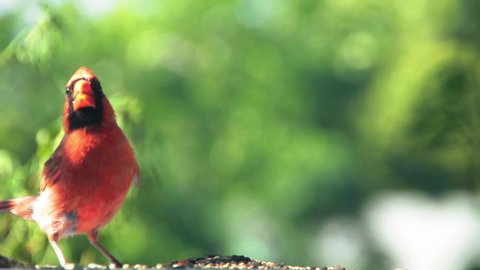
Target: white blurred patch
[(94, 9), (418, 232), (340, 242), (8, 6)]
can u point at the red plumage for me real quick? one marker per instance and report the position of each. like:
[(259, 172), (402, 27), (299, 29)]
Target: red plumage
[(85, 181)]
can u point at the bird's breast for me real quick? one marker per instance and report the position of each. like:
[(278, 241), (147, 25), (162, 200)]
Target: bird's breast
[(97, 170)]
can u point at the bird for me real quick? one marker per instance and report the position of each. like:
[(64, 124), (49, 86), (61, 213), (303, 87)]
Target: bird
[(86, 179)]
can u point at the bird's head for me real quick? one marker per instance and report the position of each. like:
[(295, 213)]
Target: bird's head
[(85, 103)]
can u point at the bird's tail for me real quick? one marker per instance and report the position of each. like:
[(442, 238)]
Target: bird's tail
[(5, 206), (22, 207)]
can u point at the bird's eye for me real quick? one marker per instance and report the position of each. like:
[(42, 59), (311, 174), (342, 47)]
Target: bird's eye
[(67, 91)]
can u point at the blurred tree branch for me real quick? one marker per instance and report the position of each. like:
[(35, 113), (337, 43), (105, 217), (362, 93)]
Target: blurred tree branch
[(37, 45)]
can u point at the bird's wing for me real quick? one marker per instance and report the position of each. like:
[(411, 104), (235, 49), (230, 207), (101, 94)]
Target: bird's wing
[(51, 170)]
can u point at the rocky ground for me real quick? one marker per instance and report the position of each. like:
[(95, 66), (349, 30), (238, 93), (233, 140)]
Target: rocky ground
[(206, 262)]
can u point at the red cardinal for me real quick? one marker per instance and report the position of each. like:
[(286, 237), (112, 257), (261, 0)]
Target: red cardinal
[(85, 181)]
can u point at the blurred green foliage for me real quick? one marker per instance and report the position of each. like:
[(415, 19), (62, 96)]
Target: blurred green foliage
[(254, 122)]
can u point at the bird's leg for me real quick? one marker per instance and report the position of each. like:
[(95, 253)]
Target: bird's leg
[(93, 238), (54, 242)]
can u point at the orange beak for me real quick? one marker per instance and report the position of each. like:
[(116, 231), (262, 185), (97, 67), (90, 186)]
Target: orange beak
[(83, 95)]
